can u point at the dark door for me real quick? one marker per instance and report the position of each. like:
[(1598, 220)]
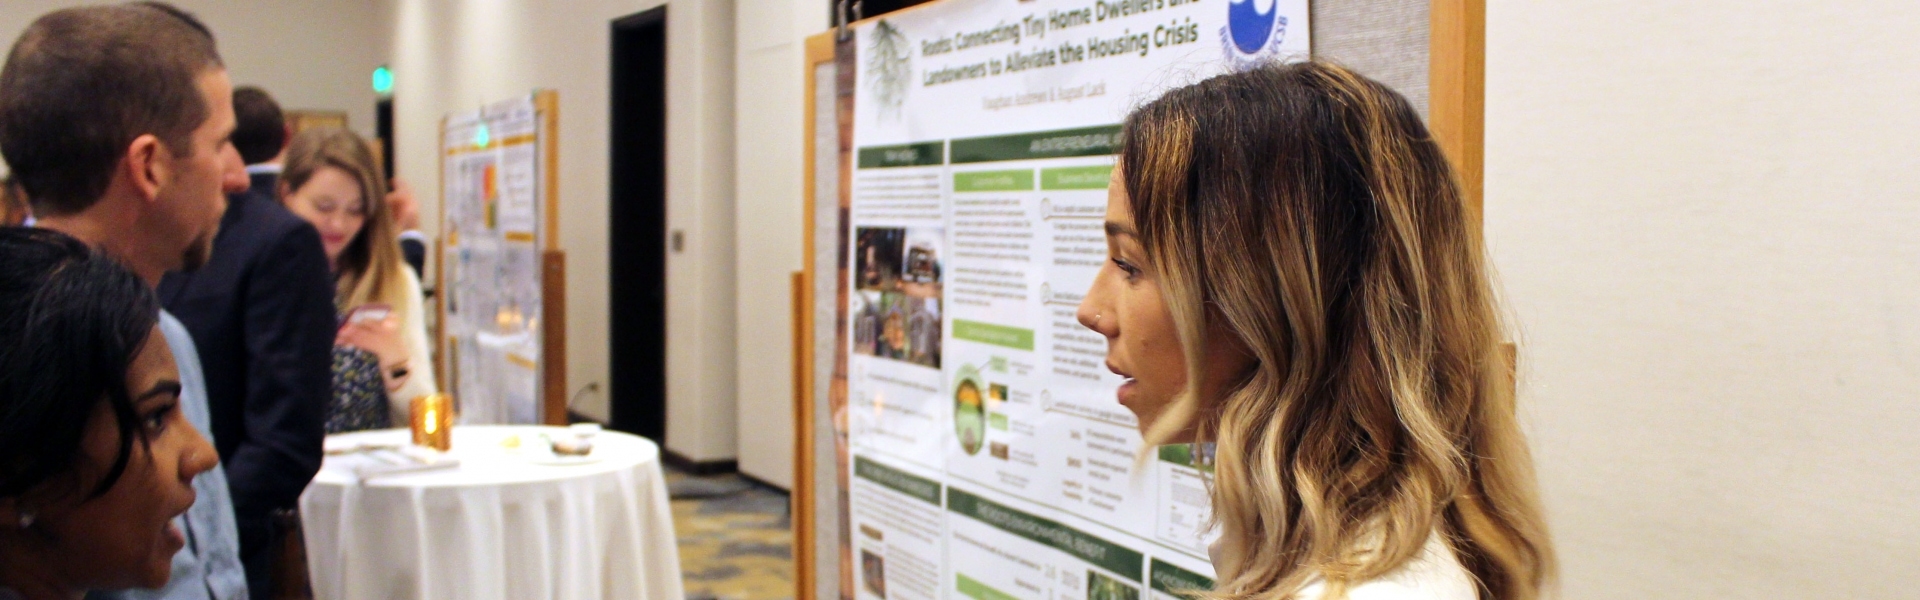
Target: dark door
[(638, 240)]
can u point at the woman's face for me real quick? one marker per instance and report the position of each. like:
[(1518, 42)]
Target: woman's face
[(126, 537), (1143, 344), (332, 202)]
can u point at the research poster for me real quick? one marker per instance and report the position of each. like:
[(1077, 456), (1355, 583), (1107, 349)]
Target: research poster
[(988, 456), (491, 269)]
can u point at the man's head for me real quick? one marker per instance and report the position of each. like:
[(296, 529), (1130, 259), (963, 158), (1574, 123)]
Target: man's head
[(126, 109), (262, 130)]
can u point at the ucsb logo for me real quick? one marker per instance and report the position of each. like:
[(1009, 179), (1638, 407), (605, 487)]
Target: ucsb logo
[(1254, 31)]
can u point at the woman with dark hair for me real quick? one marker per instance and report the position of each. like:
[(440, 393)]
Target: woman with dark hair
[(96, 458), (1295, 278)]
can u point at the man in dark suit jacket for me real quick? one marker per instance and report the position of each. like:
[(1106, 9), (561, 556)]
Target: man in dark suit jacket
[(262, 313)]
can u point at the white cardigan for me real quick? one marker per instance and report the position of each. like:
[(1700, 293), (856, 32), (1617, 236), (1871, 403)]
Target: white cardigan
[(413, 317), (1436, 574)]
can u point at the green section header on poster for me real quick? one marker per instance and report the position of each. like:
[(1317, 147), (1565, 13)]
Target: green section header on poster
[(980, 591), (1098, 552), (988, 333), (1174, 580), (1064, 143), (1017, 180), (898, 480), (1076, 178), (905, 155)]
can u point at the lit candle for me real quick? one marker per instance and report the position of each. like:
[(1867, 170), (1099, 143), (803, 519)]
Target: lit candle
[(433, 421)]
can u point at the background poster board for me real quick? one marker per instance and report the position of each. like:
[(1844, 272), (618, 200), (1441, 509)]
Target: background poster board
[(500, 272), (1431, 51)]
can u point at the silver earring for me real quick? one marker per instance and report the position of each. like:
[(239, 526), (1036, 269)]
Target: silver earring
[(26, 519)]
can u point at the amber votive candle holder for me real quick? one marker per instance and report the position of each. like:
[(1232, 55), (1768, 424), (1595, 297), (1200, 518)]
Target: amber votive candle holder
[(433, 421)]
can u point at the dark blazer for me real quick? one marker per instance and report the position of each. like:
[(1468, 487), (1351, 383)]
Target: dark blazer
[(261, 311)]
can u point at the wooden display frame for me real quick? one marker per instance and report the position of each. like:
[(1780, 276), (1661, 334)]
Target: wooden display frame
[(1457, 91), (553, 283), (553, 268), (819, 49), (1457, 107)]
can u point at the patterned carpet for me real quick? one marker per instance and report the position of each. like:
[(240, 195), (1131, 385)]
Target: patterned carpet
[(736, 541)]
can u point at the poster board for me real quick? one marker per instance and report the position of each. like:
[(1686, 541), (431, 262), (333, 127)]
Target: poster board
[(871, 522), (502, 302)]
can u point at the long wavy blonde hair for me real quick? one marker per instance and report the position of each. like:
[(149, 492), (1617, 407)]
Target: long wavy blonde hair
[(371, 268), (1306, 210)]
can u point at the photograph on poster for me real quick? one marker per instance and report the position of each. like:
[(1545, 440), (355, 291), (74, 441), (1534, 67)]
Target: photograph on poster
[(878, 253), (873, 573), (897, 312), (1102, 587)]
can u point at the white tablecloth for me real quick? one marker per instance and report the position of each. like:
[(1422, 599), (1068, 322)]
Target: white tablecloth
[(499, 526)]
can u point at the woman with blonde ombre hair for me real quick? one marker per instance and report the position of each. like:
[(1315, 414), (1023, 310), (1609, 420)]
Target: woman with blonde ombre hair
[(1295, 278), (331, 181)]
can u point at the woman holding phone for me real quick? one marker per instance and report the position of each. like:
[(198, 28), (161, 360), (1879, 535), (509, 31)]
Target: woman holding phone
[(1295, 279), (331, 180)]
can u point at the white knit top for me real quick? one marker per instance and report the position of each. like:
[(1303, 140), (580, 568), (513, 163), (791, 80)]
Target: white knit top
[(1435, 574)]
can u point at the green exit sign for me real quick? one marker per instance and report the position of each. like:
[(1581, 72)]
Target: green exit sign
[(383, 80)]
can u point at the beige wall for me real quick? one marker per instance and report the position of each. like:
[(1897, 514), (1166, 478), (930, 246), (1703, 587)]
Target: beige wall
[(453, 55), (769, 89), (1707, 216), (700, 201), (310, 54)]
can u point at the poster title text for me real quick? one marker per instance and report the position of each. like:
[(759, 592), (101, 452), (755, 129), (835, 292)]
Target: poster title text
[(1174, 32)]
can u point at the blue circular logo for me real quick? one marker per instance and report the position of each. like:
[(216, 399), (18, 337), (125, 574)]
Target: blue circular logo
[(1248, 27)]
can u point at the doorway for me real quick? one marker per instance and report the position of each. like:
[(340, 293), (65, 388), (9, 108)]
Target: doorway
[(638, 220)]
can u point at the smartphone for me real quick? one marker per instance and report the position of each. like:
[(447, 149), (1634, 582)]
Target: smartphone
[(372, 312)]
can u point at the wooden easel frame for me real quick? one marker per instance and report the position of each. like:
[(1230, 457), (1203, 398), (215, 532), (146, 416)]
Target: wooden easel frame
[(1457, 105), (553, 272), (1457, 91), (553, 269), (819, 49)]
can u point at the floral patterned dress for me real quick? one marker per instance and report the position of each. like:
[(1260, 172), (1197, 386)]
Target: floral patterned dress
[(359, 393)]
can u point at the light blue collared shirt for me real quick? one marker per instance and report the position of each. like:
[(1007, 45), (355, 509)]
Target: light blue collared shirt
[(209, 566)]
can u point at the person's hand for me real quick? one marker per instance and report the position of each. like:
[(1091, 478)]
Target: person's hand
[(384, 340), (406, 210)]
